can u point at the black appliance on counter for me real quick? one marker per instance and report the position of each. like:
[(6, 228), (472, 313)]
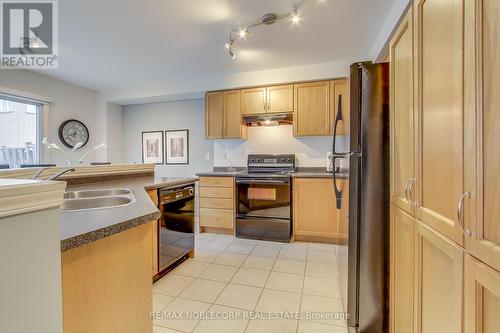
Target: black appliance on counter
[(364, 264), (176, 226), (264, 198)]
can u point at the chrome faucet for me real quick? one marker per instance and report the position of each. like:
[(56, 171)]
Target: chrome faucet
[(59, 174), (39, 172)]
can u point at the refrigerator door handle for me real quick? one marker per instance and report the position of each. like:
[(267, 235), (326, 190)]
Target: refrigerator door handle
[(338, 193)]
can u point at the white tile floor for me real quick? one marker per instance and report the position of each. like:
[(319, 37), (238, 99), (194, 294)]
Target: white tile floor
[(250, 281)]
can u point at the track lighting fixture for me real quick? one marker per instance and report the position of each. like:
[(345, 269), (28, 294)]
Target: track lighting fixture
[(267, 19)]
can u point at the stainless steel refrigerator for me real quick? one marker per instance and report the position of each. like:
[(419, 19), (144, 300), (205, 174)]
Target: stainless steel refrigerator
[(364, 262)]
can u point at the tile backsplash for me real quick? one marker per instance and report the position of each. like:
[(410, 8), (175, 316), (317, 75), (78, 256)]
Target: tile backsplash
[(309, 151)]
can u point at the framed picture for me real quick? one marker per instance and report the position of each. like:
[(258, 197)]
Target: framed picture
[(152, 147), (177, 146)]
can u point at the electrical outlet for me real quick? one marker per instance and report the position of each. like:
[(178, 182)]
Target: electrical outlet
[(207, 156)]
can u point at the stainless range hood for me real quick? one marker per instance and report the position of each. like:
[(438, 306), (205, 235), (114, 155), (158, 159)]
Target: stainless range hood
[(273, 119)]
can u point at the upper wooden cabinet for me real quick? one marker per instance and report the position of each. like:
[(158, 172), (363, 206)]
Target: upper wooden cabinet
[(314, 213), (254, 100), (311, 114), (232, 126), (439, 101), (482, 102), (214, 110), (223, 115), (439, 283), (314, 106), (481, 297), (402, 116), (340, 89), (268, 99), (280, 98), (402, 273)]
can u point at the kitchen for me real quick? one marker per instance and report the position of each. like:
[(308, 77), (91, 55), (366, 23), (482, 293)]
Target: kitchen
[(234, 180)]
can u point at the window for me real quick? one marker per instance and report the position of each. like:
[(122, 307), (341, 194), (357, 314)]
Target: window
[(19, 132)]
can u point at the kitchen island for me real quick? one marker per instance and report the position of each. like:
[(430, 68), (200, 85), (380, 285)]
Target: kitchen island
[(107, 258)]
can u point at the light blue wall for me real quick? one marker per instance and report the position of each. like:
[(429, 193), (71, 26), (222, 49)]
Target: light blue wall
[(188, 114)]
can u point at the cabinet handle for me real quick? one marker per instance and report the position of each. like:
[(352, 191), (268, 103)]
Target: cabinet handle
[(460, 214), (412, 181), (406, 190)]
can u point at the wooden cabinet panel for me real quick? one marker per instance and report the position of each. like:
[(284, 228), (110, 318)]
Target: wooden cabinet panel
[(109, 276), (254, 100), (233, 128), (217, 181), (216, 192), (439, 282), (439, 69), (482, 297), (402, 270), (214, 110), (314, 214), (482, 86), (402, 115), (311, 108), (340, 88), (153, 195), (216, 218), (280, 98), (216, 203)]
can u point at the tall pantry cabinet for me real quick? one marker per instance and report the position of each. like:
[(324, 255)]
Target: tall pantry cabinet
[(445, 187)]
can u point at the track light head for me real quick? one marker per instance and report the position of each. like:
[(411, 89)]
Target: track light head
[(296, 17), (243, 33)]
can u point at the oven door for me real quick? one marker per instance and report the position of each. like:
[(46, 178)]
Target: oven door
[(264, 208)]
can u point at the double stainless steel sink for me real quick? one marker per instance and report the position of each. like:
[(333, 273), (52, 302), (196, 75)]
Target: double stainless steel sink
[(96, 199)]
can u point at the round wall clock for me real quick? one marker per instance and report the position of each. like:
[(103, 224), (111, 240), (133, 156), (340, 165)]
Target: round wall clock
[(73, 131)]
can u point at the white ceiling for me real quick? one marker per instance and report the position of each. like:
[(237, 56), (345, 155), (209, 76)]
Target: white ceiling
[(123, 44)]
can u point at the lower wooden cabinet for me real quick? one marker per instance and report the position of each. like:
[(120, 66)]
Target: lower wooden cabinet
[(106, 285), (315, 216), (439, 282), (217, 204), (402, 270), (482, 297)]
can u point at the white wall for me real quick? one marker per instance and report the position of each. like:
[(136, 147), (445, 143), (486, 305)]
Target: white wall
[(188, 114), (309, 151), (70, 101), (114, 133)]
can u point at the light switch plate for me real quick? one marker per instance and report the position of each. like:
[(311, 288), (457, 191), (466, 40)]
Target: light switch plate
[(207, 156)]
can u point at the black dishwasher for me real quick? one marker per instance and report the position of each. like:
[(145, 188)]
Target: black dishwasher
[(176, 226)]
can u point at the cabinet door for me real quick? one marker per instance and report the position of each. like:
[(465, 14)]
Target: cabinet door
[(233, 128), (482, 211), (402, 270), (482, 297), (402, 115), (214, 110), (439, 72), (254, 100), (311, 109), (439, 282), (280, 98), (340, 88), (314, 212)]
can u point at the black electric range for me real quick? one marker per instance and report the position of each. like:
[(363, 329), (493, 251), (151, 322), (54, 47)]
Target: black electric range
[(264, 198)]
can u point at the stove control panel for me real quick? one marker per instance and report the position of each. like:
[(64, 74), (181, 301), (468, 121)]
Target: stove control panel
[(266, 160)]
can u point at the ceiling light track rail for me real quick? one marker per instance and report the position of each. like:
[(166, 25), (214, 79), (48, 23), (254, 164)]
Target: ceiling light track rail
[(267, 19)]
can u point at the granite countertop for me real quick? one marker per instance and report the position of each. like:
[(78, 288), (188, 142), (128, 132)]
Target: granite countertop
[(83, 227)]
